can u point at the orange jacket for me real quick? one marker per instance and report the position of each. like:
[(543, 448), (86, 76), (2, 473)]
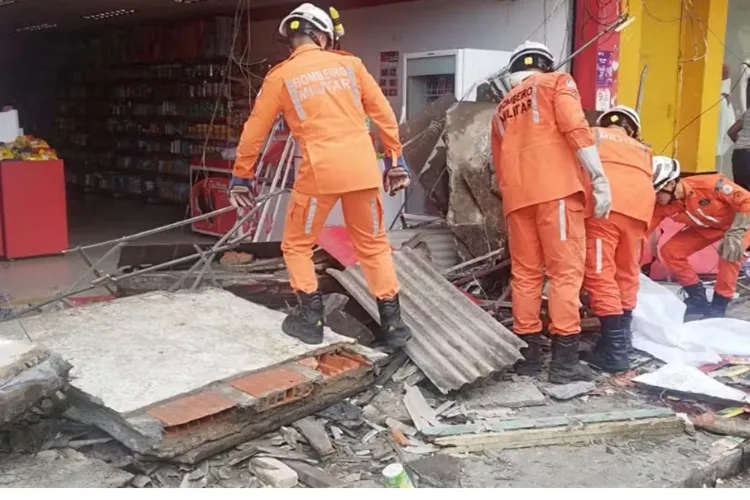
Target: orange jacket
[(711, 201), (537, 130), (324, 97), (627, 165)]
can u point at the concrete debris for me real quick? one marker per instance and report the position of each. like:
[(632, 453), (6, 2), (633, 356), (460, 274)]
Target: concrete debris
[(425, 151), (313, 476), (150, 364), (64, 468), (454, 341), (568, 391), (315, 433), (28, 373), (684, 379), (274, 473), (141, 481), (438, 471), (407, 430), (506, 394), (421, 413), (475, 213)]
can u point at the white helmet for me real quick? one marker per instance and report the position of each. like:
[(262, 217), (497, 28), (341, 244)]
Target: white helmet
[(314, 15), (665, 169), (531, 55), (611, 116)]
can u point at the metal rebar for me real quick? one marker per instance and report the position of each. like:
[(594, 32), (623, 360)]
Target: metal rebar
[(284, 180), (208, 260), (150, 232), (92, 268), (274, 183), (56, 298)]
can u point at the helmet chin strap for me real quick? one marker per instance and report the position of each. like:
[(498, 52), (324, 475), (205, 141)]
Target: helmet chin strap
[(671, 193)]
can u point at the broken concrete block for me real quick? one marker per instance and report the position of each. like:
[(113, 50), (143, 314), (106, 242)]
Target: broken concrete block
[(274, 472), (438, 471), (64, 468), (315, 433), (506, 394), (313, 476), (568, 391), (28, 373), (475, 213)]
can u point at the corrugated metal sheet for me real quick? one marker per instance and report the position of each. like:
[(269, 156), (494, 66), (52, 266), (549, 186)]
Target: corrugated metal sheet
[(455, 342), (438, 239)]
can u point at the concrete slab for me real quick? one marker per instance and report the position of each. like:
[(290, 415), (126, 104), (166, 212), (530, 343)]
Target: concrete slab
[(137, 351), (60, 469), (186, 375), (28, 373), (504, 394)]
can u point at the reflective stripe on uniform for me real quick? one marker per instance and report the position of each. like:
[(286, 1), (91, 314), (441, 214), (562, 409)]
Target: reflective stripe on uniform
[(598, 256), (695, 219), (356, 95), (375, 218), (706, 216), (311, 215), (534, 104), (292, 88), (561, 221), (499, 124)]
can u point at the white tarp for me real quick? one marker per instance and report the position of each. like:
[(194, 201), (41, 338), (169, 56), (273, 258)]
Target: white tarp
[(688, 379), (658, 329)]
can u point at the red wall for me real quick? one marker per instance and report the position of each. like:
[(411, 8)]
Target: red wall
[(590, 67)]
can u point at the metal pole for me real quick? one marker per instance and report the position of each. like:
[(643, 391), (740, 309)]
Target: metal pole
[(284, 180), (150, 232), (273, 186)]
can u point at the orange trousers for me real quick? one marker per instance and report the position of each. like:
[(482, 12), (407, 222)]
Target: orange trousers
[(675, 253), (363, 215), (547, 238), (613, 248)]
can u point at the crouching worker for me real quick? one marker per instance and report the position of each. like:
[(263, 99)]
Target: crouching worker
[(613, 244), (713, 208), (324, 96), (543, 151)]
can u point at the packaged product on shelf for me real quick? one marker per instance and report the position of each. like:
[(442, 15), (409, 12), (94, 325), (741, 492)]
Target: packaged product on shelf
[(27, 148)]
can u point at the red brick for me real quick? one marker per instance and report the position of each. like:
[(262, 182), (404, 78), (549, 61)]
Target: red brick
[(268, 382), (190, 408)]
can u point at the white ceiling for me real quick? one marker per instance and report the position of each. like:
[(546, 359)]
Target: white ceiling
[(67, 14)]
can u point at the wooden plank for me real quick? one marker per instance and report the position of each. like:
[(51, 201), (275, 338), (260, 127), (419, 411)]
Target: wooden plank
[(528, 438), (544, 422), (724, 426), (421, 413)]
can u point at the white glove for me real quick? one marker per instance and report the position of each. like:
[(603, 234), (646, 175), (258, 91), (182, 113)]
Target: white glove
[(589, 159), (731, 248), (602, 197)]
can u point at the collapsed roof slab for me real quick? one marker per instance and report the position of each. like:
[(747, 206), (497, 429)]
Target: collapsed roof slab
[(182, 376)]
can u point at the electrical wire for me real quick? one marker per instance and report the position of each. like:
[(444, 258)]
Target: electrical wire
[(700, 115)]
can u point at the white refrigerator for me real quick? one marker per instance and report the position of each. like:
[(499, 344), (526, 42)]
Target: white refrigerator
[(426, 76)]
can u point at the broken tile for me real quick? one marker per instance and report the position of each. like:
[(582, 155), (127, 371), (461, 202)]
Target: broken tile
[(315, 433), (568, 391)]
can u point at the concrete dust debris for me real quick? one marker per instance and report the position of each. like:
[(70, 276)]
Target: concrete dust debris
[(316, 435), (568, 391), (313, 476), (438, 471), (141, 481), (291, 436), (28, 374), (273, 472), (64, 468), (505, 394)]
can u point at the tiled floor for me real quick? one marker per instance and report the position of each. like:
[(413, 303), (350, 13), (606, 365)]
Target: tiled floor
[(91, 220)]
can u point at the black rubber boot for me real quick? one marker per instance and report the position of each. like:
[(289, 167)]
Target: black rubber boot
[(306, 321), (531, 364), (718, 307), (611, 352), (394, 333), (627, 324), (565, 366), (697, 306)]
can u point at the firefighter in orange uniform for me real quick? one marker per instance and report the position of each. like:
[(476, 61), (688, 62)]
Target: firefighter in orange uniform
[(613, 244), (713, 208), (541, 145), (324, 96)]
